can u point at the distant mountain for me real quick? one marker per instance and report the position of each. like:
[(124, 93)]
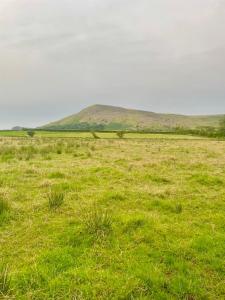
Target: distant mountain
[(17, 128), (104, 117)]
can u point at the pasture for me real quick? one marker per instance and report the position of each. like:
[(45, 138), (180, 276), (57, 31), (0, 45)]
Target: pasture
[(134, 218)]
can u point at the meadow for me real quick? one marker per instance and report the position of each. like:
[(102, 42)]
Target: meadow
[(135, 218)]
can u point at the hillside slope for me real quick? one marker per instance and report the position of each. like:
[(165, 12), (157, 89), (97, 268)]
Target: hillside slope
[(112, 118)]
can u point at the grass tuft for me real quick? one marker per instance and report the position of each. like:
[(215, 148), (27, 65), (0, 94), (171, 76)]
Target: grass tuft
[(4, 205), (178, 208), (98, 221), (5, 281), (55, 198)]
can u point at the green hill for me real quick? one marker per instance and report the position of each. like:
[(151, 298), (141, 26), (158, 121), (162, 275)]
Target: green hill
[(104, 117)]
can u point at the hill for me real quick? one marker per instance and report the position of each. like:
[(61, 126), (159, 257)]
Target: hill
[(104, 117), (17, 128)]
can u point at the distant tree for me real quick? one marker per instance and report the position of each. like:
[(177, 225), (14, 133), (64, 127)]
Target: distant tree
[(30, 133), (120, 134), (95, 136)]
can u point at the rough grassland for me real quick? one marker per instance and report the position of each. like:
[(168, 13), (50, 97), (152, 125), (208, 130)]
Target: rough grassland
[(112, 219)]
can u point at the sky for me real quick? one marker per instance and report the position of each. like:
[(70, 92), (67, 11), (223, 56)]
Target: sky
[(57, 57)]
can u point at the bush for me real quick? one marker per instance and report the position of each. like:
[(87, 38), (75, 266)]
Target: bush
[(5, 281), (120, 134), (30, 133), (55, 198)]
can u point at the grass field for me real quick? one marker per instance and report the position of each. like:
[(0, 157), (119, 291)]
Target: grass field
[(112, 218)]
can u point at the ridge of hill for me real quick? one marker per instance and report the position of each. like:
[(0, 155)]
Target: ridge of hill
[(106, 117)]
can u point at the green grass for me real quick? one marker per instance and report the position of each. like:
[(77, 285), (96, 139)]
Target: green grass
[(112, 218)]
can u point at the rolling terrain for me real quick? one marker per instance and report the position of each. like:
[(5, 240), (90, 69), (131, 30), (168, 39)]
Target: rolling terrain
[(104, 117)]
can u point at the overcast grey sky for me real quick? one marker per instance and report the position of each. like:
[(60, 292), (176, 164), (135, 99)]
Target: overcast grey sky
[(58, 56)]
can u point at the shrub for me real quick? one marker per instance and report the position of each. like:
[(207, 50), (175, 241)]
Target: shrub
[(30, 133), (95, 136), (55, 198), (5, 281), (98, 221), (120, 134)]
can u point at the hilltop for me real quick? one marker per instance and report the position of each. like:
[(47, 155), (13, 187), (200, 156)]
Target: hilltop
[(105, 117)]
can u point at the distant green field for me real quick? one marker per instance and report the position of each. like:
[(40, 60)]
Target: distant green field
[(106, 135), (111, 218)]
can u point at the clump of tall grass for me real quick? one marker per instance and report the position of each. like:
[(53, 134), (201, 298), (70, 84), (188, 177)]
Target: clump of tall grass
[(89, 154), (178, 208), (4, 205), (98, 221), (55, 198), (5, 281), (1, 182), (59, 151)]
